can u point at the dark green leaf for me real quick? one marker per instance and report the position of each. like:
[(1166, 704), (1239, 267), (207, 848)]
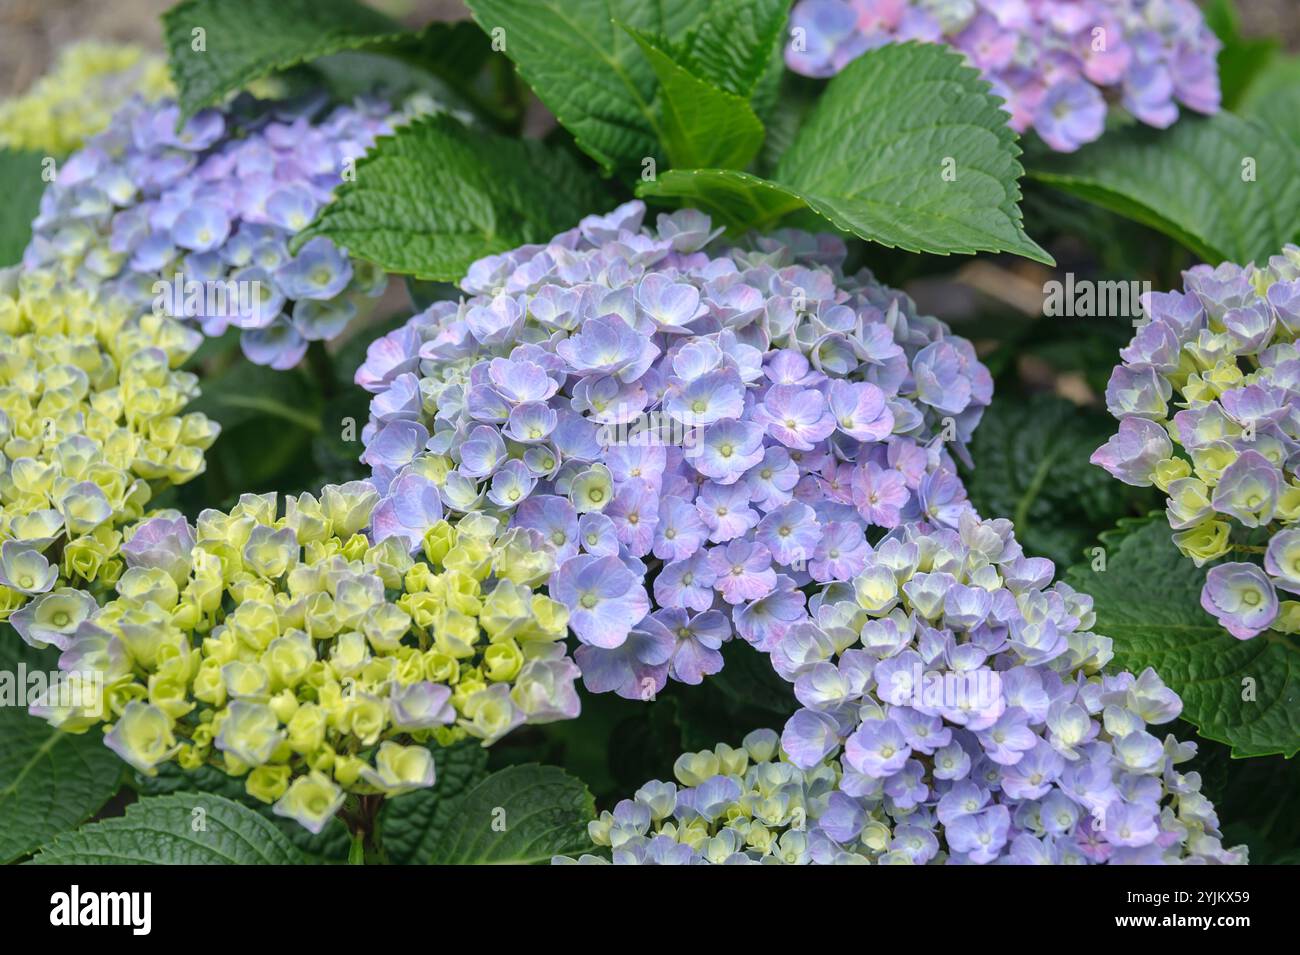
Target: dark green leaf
[(181, 829), (906, 148), (586, 69), (702, 126), (1031, 466), (1227, 188), (522, 815), (434, 197), (411, 825), (737, 43), (330, 845), (50, 781), (21, 172), (245, 40)]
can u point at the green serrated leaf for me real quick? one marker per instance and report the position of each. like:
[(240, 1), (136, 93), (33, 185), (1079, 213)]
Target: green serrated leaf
[(1245, 693), (167, 830), (1190, 182), (906, 148), (330, 845), (872, 155), (245, 40), (522, 815), (736, 45), (50, 781), (435, 196), (586, 69), (1031, 466), (413, 824), (21, 173), (702, 126)]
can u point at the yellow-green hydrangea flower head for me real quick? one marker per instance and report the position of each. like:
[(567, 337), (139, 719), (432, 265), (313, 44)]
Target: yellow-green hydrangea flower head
[(92, 424), (77, 98), (311, 658)]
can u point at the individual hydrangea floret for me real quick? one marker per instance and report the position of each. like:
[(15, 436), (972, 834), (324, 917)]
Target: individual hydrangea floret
[(1057, 65), (92, 426), (195, 222), (953, 710), (90, 81), (697, 429), (1208, 402), (303, 655)]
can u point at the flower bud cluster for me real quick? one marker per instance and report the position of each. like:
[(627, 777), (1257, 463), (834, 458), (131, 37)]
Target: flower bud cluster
[(296, 652), (92, 426), (90, 81)]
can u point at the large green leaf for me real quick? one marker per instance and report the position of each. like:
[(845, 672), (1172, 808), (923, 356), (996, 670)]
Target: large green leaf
[(181, 829), (906, 147), (521, 815), (330, 845), (244, 40), (736, 44), (1273, 97), (1031, 465), (586, 69), (434, 197), (702, 125), (21, 172), (50, 781), (1245, 693), (411, 825), (1226, 187)]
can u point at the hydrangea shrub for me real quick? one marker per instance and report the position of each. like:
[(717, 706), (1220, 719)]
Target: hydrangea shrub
[(196, 221), (92, 425), (1206, 399), (1058, 66), (292, 651), (638, 443), (700, 430)]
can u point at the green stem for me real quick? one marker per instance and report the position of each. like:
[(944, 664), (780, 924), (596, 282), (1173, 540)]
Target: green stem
[(322, 368)]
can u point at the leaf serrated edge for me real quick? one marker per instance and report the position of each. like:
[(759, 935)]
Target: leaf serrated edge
[(178, 37)]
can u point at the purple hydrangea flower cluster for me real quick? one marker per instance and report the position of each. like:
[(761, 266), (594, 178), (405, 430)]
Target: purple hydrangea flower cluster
[(701, 435), (957, 696), (196, 221), (1208, 402), (1056, 63)]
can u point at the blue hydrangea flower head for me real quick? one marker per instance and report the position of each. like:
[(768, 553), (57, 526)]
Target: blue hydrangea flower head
[(702, 430)]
